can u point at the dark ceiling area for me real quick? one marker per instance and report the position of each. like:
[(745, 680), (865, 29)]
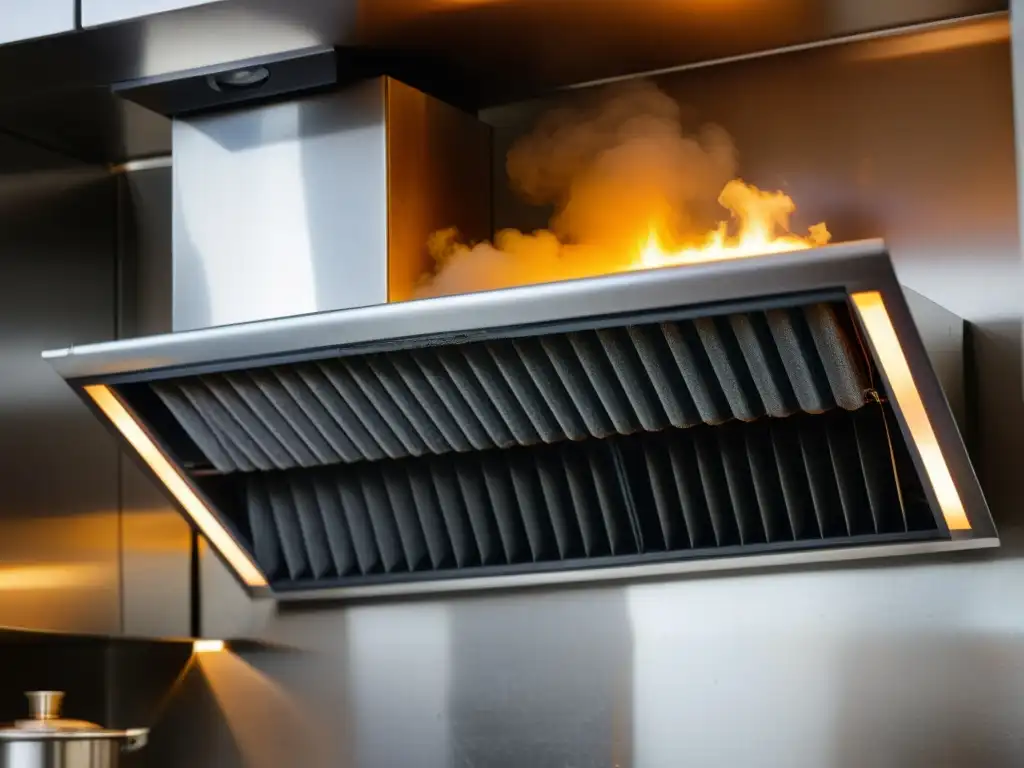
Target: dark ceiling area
[(474, 53)]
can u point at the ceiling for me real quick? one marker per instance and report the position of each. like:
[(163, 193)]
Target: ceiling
[(472, 52)]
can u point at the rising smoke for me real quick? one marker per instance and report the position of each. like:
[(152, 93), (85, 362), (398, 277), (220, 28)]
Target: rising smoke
[(611, 169)]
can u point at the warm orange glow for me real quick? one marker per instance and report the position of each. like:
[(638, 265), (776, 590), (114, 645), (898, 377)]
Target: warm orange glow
[(108, 402), (760, 216), (958, 36), (875, 317), (19, 578), (208, 646), (758, 225), (270, 724), (631, 184)]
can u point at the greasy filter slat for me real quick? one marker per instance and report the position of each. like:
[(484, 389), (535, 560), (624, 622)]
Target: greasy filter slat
[(547, 388), (806, 478)]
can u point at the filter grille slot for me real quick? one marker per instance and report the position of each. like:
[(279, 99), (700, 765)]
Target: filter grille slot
[(684, 493), (518, 392)]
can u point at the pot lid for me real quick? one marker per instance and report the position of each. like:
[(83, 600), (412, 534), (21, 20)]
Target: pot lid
[(45, 722)]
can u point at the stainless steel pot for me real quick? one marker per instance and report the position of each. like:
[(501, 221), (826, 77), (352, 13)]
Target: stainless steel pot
[(46, 740)]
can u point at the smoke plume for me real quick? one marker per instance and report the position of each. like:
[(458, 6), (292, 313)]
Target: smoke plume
[(611, 169)]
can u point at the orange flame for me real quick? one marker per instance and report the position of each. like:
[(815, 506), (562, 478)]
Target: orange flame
[(630, 187), (759, 225), (763, 228)]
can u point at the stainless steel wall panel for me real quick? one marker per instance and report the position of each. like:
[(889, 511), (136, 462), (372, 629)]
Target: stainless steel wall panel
[(470, 53), (438, 176), (319, 203), (945, 339), (96, 12), (496, 48), (59, 559), (146, 269), (1017, 49), (22, 21), (155, 541), (903, 664)]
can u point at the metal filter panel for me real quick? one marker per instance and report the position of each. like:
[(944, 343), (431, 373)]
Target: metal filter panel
[(523, 391), (772, 482)]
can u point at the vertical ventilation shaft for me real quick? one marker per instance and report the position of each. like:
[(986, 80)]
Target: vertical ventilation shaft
[(566, 449)]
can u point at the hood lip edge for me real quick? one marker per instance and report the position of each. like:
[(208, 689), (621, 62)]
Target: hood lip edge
[(850, 266), (648, 574)]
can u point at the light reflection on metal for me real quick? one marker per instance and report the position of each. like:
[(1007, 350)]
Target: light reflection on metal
[(204, 519), (208, 646), (270, 725), (985, 30), (871, 308), (17, 578)]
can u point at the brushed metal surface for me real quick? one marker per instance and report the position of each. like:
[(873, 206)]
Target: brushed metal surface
[(943, 335), (96, 12), (59, 562), (155, 541), (909, 664), (94, 753), (145, 266), (497, 47), (281, 210), (92, 124), (1017, 50), (468, 52), (439, 176), (851, 266), (713, 566), (22, 21), (320, 203)]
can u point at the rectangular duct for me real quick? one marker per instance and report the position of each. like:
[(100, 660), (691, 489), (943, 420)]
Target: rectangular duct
[(320, 202), (686, 418)]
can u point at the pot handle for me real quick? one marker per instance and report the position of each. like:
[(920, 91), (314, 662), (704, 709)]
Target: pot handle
[(134, 738)]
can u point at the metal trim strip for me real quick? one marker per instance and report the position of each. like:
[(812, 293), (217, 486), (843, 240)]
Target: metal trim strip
[(770, 560), (849, 266)]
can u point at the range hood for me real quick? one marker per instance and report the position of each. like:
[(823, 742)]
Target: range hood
[(329, 436), (752, 412)]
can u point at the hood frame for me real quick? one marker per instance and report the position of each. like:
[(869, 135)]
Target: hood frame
[(843, 271)]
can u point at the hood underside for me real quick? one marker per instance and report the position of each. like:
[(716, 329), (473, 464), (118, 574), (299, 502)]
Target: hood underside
[(671, 420)]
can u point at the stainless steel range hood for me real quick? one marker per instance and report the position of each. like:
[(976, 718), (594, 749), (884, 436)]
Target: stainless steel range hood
[(742, 413), (328, 436)]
